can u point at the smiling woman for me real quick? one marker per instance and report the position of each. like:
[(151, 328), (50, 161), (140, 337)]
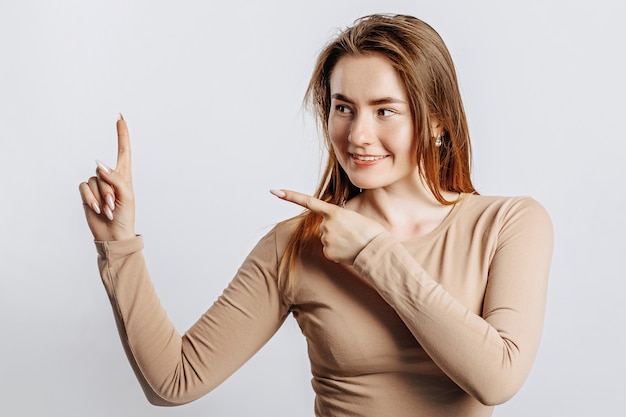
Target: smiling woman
[(370, 123), (416, 295)]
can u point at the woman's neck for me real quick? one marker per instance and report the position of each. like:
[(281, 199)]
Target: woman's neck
[(405, 213)]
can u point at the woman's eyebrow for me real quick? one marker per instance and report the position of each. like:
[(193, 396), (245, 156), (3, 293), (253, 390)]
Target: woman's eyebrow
[(387, 100), (338, 96), (376, 102)]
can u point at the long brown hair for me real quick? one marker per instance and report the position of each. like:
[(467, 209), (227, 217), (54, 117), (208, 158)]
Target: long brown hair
[(425, 66)]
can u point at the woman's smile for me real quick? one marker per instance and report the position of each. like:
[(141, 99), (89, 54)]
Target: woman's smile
[(366, 160)]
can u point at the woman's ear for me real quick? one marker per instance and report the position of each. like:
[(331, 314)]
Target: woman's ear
[(436, 127)]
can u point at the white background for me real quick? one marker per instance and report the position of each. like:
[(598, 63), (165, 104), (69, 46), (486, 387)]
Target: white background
[(212, 95)]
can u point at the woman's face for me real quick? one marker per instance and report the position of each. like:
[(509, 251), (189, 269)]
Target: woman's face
[(370, 123)]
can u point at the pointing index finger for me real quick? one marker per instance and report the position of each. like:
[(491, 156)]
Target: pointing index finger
[(123, 147), (314, 204)]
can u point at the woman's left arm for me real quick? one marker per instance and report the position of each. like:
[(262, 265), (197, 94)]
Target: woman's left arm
[(488, 355)]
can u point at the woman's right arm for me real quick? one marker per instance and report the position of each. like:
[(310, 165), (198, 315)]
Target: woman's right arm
[(174, 369)]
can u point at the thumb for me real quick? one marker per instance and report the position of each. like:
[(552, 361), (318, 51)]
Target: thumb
[(114, 179)]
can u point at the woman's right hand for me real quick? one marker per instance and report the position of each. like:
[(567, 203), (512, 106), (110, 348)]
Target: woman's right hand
[(108, 197)]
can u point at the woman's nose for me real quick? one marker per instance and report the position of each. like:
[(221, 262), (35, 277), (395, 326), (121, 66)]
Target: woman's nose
[(361, 131)]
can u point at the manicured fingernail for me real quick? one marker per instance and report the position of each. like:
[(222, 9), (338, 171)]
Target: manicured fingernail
[(108, 212), (110, 201), (120, 117), (103, 167), (278, 193), (96, 207)]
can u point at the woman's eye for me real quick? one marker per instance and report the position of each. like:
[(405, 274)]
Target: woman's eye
[(386, 112), (342, 108)]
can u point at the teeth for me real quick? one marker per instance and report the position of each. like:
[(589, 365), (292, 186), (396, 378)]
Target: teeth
[(368, 158)]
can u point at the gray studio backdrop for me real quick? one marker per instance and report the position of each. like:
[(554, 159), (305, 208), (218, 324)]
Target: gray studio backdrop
[(212, 95)]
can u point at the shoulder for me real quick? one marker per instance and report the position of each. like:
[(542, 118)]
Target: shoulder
[(278, 237), (507, 213), (501, 205), (266, 256)]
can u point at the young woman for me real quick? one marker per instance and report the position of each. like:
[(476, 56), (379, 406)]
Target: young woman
[(416, 295)]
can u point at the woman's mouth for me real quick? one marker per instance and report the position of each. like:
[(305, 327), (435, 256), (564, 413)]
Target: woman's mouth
[(366, 159)]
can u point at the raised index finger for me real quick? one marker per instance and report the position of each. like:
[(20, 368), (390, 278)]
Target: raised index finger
[(123, 148), (314, 204)]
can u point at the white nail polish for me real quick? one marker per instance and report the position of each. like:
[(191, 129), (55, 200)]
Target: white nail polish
[(278, 193), (110, 201), (96, 207), (108, 212), (103, 167)]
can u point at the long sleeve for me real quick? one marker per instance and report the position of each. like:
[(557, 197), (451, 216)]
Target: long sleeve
[(174, 369), (487, 353)]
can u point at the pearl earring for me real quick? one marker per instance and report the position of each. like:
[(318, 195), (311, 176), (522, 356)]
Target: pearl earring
[(439, 140)]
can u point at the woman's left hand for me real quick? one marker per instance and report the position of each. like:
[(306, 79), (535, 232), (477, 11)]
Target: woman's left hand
[(343, 232)]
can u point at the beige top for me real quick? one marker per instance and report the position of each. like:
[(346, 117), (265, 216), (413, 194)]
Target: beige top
[(444, 325)]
